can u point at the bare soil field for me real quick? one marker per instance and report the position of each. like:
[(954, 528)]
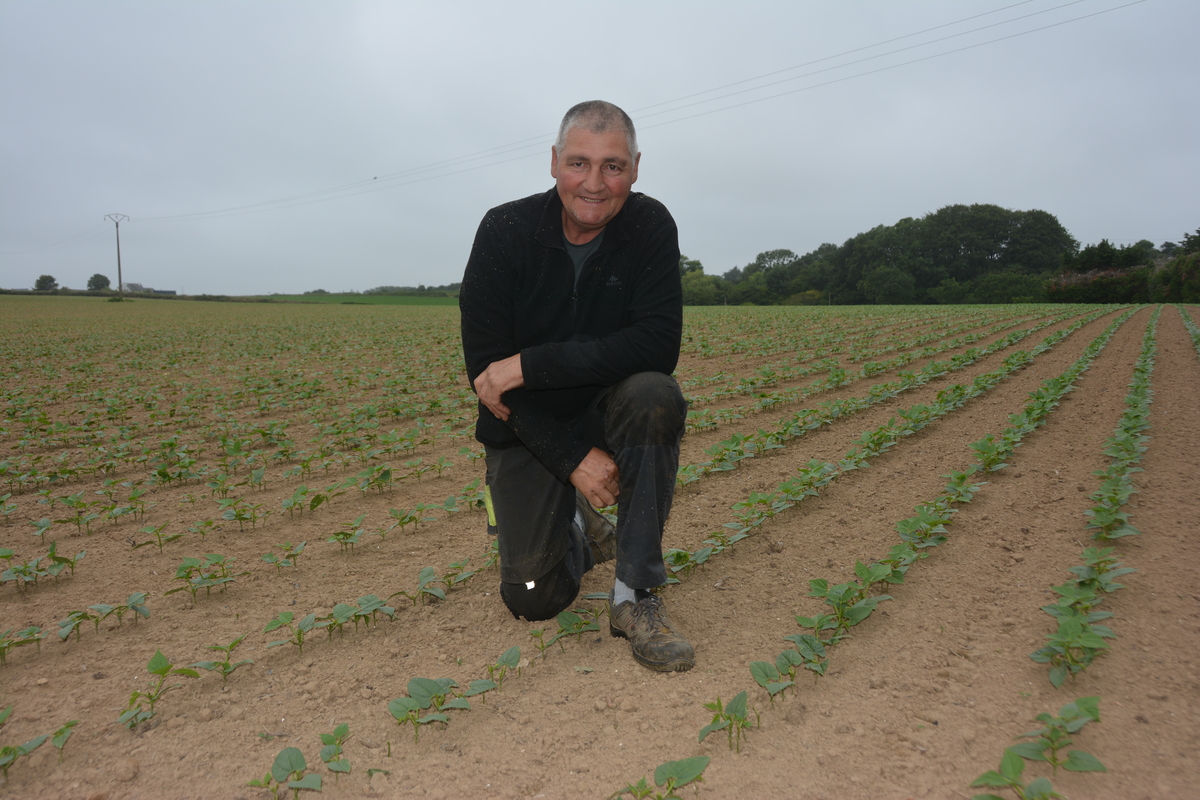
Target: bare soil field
[(920, 699)]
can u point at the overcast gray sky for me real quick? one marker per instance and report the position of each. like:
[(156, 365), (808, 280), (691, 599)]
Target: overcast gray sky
[(284, 146)]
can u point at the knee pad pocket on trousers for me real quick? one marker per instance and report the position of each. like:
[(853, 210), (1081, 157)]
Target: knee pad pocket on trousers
[(552, 593)]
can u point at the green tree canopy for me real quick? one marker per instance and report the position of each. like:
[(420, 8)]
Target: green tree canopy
[(938, 258), (45, 283), (702, 290), (1191, 242), (98, 282), (687, 265), (1104, 256), (889, 285)]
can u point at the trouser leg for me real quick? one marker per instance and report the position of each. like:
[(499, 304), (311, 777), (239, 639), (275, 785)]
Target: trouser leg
[(550, 593), (644, 419), (538, 544)]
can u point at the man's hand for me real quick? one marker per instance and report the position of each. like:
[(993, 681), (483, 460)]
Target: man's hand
[(498, 378), (597, 477)]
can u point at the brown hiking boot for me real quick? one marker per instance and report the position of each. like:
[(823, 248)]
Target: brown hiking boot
[(655, 643), (599, 532)]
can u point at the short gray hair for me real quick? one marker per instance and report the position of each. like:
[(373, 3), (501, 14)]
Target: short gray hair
[(597, 116)]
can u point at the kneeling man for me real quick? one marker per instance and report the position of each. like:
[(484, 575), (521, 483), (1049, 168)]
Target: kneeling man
[(571, 320)]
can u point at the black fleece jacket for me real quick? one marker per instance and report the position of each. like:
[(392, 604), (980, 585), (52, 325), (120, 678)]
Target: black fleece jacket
[(519, 295)]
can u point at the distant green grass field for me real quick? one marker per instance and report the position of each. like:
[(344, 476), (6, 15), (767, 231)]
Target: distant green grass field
[(363, 299)]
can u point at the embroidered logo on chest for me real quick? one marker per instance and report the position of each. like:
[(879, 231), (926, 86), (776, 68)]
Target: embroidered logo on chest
[(613, 280)]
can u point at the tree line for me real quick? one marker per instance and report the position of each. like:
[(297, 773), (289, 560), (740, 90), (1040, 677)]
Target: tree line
[(959, 254)]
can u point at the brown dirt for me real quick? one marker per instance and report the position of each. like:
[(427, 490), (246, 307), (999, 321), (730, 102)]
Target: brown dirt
[(920, 701)]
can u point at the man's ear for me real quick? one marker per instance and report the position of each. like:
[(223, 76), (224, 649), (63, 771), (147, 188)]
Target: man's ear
[(633, 174), (554, 162)]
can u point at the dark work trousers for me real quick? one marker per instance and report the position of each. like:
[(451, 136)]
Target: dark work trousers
[(643, 418)]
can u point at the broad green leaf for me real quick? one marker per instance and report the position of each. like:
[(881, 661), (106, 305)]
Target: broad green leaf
[(683, 772), (290, 760), (159, 665), (1079, 761), (737, 706), (34, 744), (423, 690), (479, 687), (1040, 789), (568, 619), (1089, 706), (807, 645), (1058, 675), (511, 657), (1031, 751), (283, 619), (763, 673), (787, 659), (860, 611), (63, 734), (310, 782), (1012, 765), (991, 778), (401, 706), (713, 726)]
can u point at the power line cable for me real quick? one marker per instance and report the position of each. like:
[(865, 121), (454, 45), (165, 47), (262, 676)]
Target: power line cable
[(395, 179), (885, 69), (442, 169), (864, 60), (539, 141), (828, 58), (735, 105)]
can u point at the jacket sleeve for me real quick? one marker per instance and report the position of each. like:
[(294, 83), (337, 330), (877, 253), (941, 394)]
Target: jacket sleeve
[(649, 343), (487, 307)]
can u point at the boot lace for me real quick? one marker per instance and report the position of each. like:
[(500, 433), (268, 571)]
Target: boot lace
[(649, 612)]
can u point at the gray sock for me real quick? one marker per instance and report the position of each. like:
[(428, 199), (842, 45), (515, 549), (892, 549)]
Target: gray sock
[(623, 593)]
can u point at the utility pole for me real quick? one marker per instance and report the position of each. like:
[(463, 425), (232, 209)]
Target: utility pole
[(116, 218)]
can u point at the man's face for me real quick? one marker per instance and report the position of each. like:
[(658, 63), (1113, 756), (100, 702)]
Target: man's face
[(594, 174)]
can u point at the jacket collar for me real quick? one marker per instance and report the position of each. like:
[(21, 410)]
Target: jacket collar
[(550, 227)]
